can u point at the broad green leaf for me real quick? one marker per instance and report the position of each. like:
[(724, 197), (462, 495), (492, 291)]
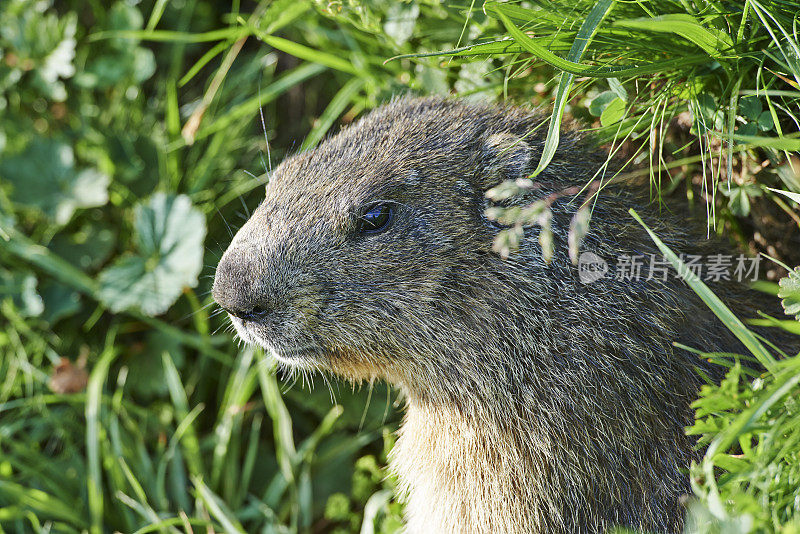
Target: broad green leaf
[(169, 235), (765, 122), (21, 247), (739, 202), (789, 173), (59, 301), (144, 64), (122, 59), (618, 88), (790, 293), (749, 129), (41, 40), (473, 80), (600, 102), (613, 112), (708, 107), (44, 176), (433, 81), (750, 107), (123, 16), (58, 64)]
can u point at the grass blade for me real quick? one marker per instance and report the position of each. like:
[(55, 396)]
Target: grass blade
[(788, 194), (217, 509), (247, 108), (713, 302), (172, 36), (94, 392), (309, 54), (713, 43), (179, 400), (281, 421), (40, 501), (531, 46), (582, 40)]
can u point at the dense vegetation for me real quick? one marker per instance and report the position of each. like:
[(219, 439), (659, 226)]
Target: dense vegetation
[(132, 143)]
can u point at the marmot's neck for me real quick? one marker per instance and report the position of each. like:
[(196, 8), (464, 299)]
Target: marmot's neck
[(462, 472), (512, 467)]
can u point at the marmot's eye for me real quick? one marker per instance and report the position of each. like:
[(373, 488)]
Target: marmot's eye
[(376, 218)]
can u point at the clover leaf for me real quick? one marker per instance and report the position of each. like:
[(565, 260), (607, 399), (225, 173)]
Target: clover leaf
[(601, 101), (43, 176), (42, 43), (59, 301), (169, 234), (123, 59), (21, 289), (750, 107), (789, 292), (739, 198), (400, 21)]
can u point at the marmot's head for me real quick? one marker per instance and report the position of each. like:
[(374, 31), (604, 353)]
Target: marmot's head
[(371, 254)]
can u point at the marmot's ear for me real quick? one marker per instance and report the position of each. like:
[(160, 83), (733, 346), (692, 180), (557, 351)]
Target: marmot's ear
[(505, 156)]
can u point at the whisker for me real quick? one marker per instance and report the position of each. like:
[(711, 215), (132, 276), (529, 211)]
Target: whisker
[(228, 226), (263, 124), (366, 408), (246, 209)]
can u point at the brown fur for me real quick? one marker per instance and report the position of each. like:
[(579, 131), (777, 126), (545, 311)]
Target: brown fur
[(535, 403)]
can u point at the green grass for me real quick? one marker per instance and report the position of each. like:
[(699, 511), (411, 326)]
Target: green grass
[(730, 67), (113, 117), (747, 479)]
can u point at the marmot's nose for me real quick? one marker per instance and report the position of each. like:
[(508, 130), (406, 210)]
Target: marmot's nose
[(234, 292), (257, 313)]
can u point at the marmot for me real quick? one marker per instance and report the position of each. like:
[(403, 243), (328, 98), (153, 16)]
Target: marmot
[(535, 402)]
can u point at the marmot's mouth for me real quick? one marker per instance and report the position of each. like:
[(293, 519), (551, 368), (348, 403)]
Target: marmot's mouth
[(305, 354)]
